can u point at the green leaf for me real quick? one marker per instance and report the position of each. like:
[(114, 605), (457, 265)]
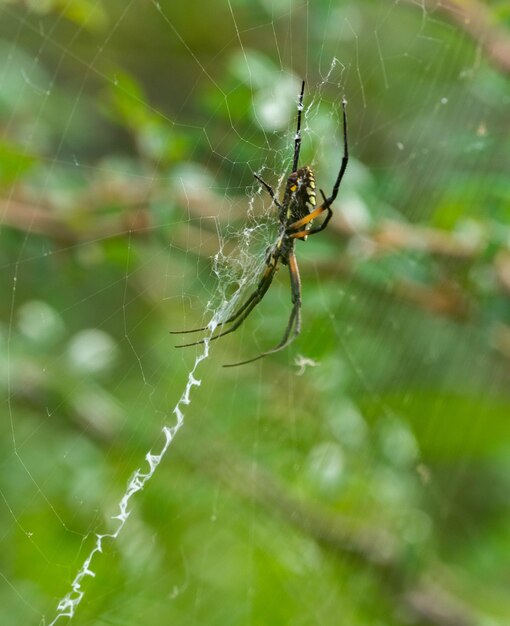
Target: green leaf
[(85, 13), (13, 163)]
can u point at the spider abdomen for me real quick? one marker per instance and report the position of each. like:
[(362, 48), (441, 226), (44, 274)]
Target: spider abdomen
[(300, 197)]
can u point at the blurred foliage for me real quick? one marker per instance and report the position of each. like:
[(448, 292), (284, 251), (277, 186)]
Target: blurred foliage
[(362, 476)]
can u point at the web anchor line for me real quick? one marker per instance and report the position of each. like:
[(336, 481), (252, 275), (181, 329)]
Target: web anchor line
[(67, 606)]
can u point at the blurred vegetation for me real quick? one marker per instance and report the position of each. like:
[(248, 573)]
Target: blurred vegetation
[(362, 476)]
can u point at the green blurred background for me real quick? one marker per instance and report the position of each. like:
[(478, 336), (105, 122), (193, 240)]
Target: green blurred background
[(361, 477)]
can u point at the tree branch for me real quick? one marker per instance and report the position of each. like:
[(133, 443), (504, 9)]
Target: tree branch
[(477, 21), (423, 599)]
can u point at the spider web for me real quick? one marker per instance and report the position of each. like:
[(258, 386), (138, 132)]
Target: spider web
[(130, 209)]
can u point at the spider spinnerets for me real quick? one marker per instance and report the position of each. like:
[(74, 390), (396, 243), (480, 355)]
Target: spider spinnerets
[(297, 212)]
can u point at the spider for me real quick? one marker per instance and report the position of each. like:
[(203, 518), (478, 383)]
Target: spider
[(296, 213)]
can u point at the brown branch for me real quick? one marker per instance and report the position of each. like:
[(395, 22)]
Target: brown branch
[(426, 599), (392, 236), (477, 20), (30, 218), (389, 237)]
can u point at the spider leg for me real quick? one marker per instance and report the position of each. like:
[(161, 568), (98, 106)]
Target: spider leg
[(268, 275), (294, 324), (269, 190), (184, 332), (308, 218), (297, 139), (326, 205), (345, 160), (242, 313)]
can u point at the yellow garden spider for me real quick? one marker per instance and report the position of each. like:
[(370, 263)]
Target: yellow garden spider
[(297, 211)]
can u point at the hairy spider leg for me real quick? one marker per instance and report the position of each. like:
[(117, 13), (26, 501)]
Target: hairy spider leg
[(184, 332), (326, 205), (308, 218), (297, 140), (269, 190), (294, 324), (270, 269), (227, 321), (247, 307), (297, 149), (345, 158), (272, 265)]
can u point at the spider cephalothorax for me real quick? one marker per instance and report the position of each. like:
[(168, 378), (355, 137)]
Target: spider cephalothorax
[(297, 211)]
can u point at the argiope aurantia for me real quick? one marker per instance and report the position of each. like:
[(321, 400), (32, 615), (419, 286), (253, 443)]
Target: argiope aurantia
[(297, 211)]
